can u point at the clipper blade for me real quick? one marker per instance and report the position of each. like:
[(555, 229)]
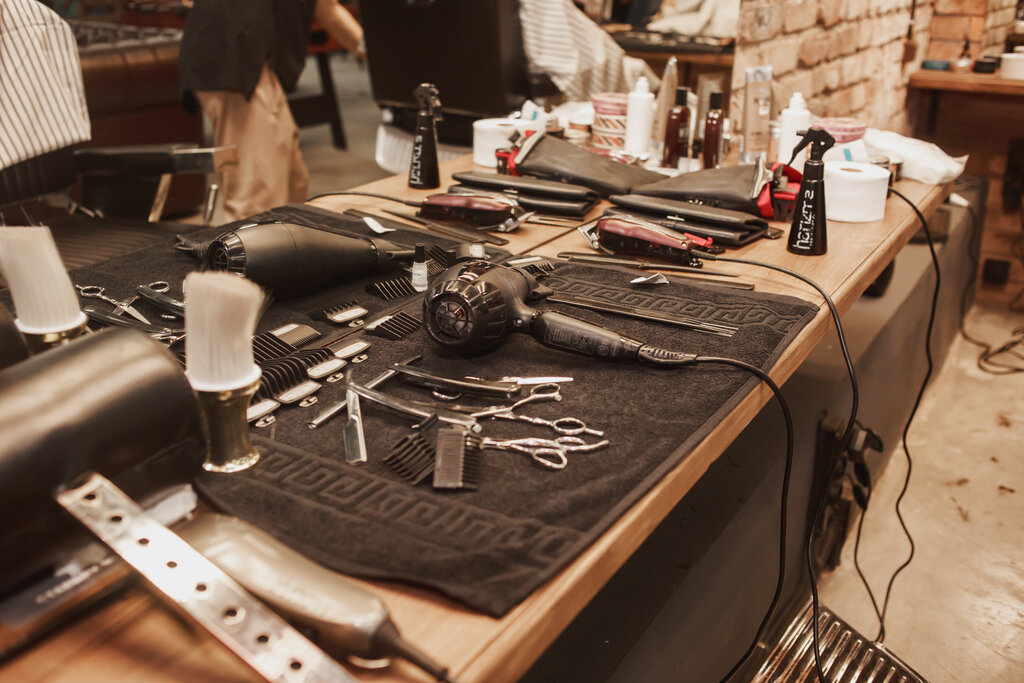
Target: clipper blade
[(395, 327), (344, 314)]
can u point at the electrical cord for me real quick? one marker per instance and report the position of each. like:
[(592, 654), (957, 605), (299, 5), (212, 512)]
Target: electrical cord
[(364, 194), (985, 360), (786, 476), (917, 402), (843, 443)]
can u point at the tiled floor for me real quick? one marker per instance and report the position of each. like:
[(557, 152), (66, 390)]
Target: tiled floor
[(957, 613)]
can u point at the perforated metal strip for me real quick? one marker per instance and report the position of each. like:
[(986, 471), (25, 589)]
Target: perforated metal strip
[(258, 636)]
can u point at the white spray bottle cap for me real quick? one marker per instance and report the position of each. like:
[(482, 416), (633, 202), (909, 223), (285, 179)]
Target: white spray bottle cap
[(798, 102), (642, 85)]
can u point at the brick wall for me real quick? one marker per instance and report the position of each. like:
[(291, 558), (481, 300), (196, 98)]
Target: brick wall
[(845, 56), (984, 22)]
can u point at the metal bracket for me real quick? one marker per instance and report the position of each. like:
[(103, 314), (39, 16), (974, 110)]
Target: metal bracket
[(258, 636)]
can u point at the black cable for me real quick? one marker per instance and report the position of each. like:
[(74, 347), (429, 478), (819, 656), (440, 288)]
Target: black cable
[(786, 476), (364, 194), (985, 361), (913, 411), (843, 443)]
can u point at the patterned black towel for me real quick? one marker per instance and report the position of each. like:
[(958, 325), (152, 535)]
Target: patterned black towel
[(492, 547)]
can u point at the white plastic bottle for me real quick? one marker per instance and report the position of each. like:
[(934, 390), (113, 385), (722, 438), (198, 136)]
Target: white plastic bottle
[(793, 118), (639, 118)]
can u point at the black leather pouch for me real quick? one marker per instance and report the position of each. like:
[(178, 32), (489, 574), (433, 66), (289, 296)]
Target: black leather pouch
[(725, 226), (546, 157), (114, 402), (534, 194), (740, 188)]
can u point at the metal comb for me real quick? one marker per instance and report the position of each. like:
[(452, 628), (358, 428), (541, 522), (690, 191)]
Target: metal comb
[(455, 465)]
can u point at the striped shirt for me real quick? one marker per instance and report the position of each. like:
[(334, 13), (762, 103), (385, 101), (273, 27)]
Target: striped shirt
[(42, 100), (577, 54)]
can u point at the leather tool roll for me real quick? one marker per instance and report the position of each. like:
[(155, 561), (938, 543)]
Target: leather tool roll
[(12, 345), (740, 188), (546, 157), (534, 194), (114, 402)]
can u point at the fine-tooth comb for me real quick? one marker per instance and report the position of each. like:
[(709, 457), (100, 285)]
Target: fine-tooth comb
[(345, 313), (412, 458), (457, 464), (296, 334), (391, 289), (394, 327)]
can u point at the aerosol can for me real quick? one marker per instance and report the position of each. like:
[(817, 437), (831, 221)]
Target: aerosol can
[(808, 233), (423, 172)]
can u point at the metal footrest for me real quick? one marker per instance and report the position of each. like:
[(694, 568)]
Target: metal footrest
[(846, 655)]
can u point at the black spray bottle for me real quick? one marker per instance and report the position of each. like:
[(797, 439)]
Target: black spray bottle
[(423, 172), (807, 235)]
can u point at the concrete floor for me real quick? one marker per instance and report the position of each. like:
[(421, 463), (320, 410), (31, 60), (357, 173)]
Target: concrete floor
[(957, 612)]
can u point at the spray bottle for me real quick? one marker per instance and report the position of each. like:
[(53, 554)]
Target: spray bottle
[(807, 235), (423, 171)]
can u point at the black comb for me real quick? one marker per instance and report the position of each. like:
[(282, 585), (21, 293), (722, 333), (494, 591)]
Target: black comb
[(391, 289), (457, 462), (412, 458), (440, 256), (266, 346), (395, 327)]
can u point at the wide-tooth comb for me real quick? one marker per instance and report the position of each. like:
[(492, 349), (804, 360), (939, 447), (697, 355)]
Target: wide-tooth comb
[(457, 463), (412, 458), (345, 313), (392, 289), (395, 327)]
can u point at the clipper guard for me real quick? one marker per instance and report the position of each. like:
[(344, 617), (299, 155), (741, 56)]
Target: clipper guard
[(115, 402)]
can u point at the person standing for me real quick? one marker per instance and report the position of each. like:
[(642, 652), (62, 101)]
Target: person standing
[(238, 58)]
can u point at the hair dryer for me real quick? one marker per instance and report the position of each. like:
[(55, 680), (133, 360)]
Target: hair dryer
[(473, 306), (292, 260)]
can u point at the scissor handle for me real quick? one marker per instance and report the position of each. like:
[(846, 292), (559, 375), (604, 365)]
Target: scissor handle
[(547, 390), (160, 286), (90, 290), (571, 426), (551, 458)]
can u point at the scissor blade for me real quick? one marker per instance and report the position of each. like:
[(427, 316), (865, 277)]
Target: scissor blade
[(133, 312), (527, 381)]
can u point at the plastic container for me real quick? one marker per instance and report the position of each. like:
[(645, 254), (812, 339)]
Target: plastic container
[(639, 118), (793, 119), (1012, 66)]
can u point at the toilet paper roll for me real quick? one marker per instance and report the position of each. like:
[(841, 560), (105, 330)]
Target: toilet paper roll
[(490, 135), (855, 192)]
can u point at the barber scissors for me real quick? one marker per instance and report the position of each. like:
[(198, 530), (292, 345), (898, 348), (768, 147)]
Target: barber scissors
[(97, 292), (539, 392), (550, 453), (566, 426)]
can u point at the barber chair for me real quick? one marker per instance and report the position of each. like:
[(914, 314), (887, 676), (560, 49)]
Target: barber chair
[(408, 42)]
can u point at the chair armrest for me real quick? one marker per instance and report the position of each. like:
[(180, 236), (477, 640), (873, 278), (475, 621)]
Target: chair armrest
[(155, 159)]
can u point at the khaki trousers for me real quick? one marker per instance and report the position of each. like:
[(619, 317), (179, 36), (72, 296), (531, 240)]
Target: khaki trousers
[(270, 169)]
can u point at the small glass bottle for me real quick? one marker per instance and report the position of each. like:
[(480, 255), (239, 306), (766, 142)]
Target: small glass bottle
[(677, 131), (713, 131)]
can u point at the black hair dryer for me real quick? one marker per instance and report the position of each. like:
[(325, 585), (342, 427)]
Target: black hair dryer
[(291, 260), (807, 234), (473, 306)]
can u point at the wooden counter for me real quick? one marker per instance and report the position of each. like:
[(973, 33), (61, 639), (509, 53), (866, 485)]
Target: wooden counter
[(132, 637), (966, 81)]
